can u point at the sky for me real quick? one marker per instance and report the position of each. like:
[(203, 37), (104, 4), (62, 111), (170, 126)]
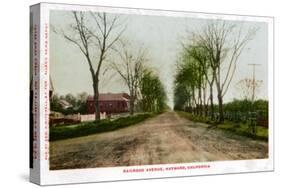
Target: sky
[(161, 36)]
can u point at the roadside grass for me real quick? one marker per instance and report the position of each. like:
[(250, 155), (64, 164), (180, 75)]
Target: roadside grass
[(195, 118), (231, 127), (94, 127)]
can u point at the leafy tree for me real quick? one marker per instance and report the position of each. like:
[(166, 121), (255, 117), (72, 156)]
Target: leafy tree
[(152, 93), (54, 103), (200, 55), (182, 97), (190, 78), (70, 99)]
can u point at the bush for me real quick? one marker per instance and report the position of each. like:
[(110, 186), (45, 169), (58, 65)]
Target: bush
[(94, 127), (233, 127)]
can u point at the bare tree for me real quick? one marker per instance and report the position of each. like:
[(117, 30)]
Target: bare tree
[(130, 67), (246, 86), (94, 34), (224, 43)]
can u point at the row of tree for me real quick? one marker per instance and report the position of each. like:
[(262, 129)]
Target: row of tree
[(203, 57), (99, 37)]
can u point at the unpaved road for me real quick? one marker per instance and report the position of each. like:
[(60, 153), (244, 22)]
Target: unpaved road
[(167, 138)]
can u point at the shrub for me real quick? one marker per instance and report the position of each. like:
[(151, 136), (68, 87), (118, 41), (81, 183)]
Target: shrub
[(94, 127)]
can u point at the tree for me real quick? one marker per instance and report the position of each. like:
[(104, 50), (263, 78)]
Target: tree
[(94, 34), (187, 80), (82, 96), (54, 103), (182, 97), (70, 99), (153, 95), (82, 102), (224, 44), (246, 86), (130, 66), (193, 76), (201, 56)]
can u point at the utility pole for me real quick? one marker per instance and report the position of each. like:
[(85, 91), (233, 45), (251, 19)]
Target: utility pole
[(254, 79)]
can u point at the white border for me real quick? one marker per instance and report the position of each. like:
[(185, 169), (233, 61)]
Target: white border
[(44, 19), (35, 58), (116, 173)]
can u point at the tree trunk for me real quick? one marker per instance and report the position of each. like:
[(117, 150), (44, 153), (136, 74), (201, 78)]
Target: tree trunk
[(200, 100), (195, 102), (205, 105), (220, 100), (219, 88), (96, 99), (211, 102), (132, 102)]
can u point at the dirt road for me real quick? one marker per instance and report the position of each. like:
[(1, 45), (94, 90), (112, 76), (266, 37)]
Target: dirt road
[(166, 138)]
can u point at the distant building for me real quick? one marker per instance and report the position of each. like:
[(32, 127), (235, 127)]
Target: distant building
[(110, 103), (64, 104)]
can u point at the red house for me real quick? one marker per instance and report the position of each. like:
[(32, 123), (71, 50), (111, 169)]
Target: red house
[(110, 103)]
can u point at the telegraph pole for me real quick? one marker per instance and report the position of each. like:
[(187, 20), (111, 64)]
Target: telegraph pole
[(253, 118), (254, 79)]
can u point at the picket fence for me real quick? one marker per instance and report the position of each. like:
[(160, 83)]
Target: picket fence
[(84, 117)]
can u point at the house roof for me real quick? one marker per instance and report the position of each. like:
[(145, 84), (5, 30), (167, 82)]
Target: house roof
[(111, 97), (64, 103)]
